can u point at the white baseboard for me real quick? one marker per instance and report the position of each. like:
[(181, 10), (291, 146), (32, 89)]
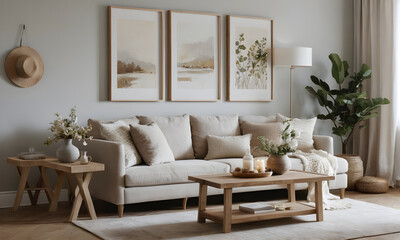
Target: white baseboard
[(7, 198)]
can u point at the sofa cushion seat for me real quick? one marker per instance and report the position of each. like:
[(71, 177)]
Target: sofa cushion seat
[(296, 163), (171, 173)]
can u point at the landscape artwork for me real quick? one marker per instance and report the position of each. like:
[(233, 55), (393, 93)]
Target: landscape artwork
[(249, 59), (194, 56), (136, 54)]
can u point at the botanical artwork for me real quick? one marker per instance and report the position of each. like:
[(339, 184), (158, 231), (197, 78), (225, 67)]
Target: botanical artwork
[(136, 58), (136, 55), (195, 63), (251, 58), (249, 66)]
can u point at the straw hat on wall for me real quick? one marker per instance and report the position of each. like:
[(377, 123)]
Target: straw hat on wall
[(24, 66)]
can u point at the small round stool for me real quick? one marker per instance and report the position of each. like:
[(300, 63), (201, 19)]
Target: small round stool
[(370, 184)]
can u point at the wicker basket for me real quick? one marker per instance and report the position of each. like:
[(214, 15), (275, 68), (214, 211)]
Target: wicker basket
[(356, 170), (370, 184)]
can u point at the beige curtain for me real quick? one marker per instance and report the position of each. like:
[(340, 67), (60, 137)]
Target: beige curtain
[(375, 43)]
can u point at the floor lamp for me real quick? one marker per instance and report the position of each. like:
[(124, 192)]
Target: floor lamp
[(293, 57)]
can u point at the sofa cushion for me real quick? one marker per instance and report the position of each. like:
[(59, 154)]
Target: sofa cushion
[(257, 119), (95, 123), (176, 130), (227, 146), (119, 132), (271, 131), (151, 144), (305, 127), (211, 125), (171, 173)]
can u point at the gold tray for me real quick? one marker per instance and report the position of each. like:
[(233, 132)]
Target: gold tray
[(251, 175)]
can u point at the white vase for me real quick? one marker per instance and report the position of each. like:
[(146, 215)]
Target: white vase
[(279, 164), (67, 152)]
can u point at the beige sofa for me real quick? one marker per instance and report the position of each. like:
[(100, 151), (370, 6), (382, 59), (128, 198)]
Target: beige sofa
[(122, 185)]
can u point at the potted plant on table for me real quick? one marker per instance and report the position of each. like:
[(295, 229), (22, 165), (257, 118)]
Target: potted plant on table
[(347, 106), (278, 161), (68, 129)]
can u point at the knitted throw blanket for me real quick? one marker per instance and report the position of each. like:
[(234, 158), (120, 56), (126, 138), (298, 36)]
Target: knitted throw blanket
[(318, 161)]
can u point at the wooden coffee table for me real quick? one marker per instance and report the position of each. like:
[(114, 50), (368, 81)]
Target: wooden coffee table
[(231, 216)]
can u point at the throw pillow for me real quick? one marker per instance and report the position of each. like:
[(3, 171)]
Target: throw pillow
[(202, 126), (176, 130), (151, 143), (271, 131), (95, 123), (119, 132), (227, 146), (303, 126)]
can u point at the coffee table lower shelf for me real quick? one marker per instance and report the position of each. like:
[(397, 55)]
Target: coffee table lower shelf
[(297, 208)]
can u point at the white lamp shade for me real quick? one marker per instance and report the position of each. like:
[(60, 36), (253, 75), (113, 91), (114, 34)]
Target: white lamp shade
[(296, 57)]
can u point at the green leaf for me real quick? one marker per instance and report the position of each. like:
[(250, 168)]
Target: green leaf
[(365, 71), (337, 68)]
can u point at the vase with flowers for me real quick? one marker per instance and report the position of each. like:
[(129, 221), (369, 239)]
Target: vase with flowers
[(68, 129), (278, 160)]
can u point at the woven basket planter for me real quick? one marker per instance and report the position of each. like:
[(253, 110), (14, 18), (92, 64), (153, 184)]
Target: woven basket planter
[(370, 184), (356, 170)]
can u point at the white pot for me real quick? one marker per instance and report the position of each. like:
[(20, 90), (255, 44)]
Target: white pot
[(67, 152)]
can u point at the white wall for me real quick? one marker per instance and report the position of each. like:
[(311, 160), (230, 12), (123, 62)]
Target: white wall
[(71, 36)]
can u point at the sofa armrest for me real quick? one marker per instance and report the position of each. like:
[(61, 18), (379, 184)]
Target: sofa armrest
[(323, 143), (108, 185)]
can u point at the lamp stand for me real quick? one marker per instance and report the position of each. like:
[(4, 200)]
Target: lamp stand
[(291, 68)]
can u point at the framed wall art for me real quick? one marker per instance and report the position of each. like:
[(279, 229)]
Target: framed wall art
[(194, 56), (136, 54), (249, 58)]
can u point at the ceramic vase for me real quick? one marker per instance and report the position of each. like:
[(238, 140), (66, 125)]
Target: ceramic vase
[(279, 164), (67, 152)]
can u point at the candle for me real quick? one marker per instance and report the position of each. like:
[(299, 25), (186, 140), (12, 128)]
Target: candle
[(260, 165), (248, 161)]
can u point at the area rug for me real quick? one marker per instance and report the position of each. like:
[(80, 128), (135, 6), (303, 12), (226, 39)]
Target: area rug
[(361, 220)]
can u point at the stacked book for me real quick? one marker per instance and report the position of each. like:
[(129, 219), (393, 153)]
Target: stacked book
[(256, 207)]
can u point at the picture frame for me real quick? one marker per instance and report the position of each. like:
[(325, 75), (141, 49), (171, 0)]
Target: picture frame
[(194, 56), (249, 59), (136, 54)]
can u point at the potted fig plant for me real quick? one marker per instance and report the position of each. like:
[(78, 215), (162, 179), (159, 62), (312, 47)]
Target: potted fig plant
[(347, 105)]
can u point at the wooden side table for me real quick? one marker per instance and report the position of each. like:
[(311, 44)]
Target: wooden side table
[(23, 167), (83, 174)]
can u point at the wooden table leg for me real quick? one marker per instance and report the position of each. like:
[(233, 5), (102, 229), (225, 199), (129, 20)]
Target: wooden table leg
[(57, 190), (291, 192), (202, 202), (46, 183), (30, 195), (227, 210), (70, 189), (24, 172), (318, 201), (83, 185)]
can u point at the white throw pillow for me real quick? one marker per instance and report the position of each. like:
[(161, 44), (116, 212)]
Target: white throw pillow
[(176, 130), (151, 144), (271, 131), (227, 146), (119, 132), (305, 127), (96, 125)]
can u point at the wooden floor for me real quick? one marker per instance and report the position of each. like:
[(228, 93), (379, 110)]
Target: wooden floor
[(34, 222)]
